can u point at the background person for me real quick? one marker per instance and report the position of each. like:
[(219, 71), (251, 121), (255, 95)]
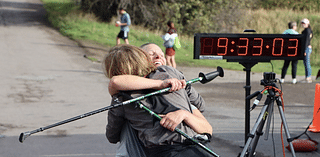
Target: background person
[(292, 30), (169, 42), (175, 107), (308, 50), (124, 24)]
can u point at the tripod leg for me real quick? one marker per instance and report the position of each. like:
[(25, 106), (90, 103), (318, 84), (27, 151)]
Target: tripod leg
[(279, 103), (259, 132), (256, 138), (266, 135), (258, 123)]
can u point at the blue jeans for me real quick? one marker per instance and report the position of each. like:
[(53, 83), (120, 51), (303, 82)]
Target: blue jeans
[(306, 62)]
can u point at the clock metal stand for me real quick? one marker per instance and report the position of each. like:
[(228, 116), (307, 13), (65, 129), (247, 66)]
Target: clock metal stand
[(247, 68)]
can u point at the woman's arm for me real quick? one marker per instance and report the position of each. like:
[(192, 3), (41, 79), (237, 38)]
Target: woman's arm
[(132, 82), (194, 120)]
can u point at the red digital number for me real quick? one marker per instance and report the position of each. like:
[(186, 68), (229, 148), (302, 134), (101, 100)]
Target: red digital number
[(207, 46), (246, 46), (274, 46), (293, 47), (260, 47), (222, 46)]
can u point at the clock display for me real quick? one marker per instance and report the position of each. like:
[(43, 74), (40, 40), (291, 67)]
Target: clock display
[(256, 47)]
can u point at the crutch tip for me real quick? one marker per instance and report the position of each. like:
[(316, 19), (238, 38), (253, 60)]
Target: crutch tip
[(23, 136)]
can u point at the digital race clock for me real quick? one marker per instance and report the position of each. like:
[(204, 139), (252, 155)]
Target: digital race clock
[(249, 47)]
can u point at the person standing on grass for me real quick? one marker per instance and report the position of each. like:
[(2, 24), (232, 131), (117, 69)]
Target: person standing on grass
[(308, 50), (124, 24), (291, 30), (169, 42)]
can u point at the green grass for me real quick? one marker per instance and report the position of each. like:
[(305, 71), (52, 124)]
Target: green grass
[(67, 17)]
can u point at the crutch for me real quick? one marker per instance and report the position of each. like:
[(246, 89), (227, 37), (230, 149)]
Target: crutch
[(203, 78)]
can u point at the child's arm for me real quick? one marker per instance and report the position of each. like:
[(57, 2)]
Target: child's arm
[(132, 82)]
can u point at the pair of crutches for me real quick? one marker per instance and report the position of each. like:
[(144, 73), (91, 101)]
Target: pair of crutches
[(203, 78)]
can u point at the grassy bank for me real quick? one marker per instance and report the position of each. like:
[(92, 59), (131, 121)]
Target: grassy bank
[(65, 15)]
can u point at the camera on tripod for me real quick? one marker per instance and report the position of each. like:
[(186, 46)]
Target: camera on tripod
[(268, 78), (274, 94)]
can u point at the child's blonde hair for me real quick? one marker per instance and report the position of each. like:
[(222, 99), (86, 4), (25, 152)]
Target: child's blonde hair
[(127, 60)]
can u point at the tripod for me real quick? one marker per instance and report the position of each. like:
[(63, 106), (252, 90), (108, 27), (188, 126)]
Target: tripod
[(269, 83)]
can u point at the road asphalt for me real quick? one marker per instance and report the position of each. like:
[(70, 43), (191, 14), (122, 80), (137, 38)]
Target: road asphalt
[(46, 79)]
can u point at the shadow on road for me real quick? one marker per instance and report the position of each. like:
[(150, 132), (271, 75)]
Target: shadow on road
[(22, 14)]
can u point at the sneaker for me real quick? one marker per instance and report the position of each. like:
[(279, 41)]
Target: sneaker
[(282, 81), (294, 81), (306, 81)]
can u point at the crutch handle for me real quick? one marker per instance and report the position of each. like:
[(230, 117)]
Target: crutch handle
[(212, 75)]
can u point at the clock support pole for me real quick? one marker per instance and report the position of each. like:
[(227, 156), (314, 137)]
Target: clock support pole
[(247, 68)]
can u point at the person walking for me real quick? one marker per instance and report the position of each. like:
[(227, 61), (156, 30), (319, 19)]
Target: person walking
[(124, 24), (292, 30), (308, 50)]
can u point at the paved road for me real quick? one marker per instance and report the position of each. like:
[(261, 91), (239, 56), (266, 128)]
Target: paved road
[(45, 79)]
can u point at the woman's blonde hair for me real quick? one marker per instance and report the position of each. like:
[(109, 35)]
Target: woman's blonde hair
[(127, 60)]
